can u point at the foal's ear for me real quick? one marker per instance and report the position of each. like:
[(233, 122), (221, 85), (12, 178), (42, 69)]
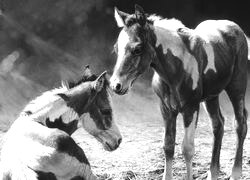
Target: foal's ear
[(87, 72), (99, 82), (140, 15), (120, 17)]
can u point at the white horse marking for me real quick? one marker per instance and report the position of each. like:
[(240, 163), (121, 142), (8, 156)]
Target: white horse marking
[(119, 20), (123, 40), (210, 57), (188, 147), (174, 43), (191, 67)]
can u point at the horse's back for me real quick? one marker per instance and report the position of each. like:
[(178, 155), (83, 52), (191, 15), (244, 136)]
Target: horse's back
[(226, 50), (223, 33)]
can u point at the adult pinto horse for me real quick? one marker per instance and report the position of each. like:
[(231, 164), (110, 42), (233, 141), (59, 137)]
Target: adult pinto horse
[(38, 145), (190, 66)]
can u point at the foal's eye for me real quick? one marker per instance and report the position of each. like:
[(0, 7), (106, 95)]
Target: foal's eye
[(137, 50), (106, 112)]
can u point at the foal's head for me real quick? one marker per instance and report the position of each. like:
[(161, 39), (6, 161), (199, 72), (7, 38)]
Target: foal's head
[(90, 95), (133, 49)]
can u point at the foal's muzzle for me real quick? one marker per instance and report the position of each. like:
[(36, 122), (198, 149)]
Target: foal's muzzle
[(113, 146)]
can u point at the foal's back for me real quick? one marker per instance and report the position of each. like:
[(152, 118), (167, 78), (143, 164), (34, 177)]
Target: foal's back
[(222, 31), (32, 151), (225, 46)]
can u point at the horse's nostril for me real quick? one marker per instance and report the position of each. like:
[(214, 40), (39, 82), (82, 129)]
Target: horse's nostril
[(118, 87), (119, 141)]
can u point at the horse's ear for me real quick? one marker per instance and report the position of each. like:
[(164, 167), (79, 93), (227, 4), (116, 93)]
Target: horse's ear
[(140, 15), (99, 82), (120, 17), (87, 72)]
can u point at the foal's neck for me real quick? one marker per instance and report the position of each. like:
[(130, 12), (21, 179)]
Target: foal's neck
[(54, 114), (169, 54)]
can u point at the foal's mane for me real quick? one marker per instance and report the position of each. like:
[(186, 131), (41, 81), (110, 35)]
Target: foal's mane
[(50, 95), (171, 24), (158, 21), (44, 99)]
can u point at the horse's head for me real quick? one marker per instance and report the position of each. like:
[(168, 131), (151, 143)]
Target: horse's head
[(133, 49), (90, 95)]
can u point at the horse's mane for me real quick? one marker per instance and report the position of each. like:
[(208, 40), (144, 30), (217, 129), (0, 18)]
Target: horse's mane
[(44, 99), (171, 24), (50, 95)]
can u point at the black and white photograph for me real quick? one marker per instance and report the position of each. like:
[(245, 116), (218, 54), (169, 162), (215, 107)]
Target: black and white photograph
[(124, 90)]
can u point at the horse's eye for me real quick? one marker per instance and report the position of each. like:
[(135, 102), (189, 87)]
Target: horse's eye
[(106, 112), (137, 51)]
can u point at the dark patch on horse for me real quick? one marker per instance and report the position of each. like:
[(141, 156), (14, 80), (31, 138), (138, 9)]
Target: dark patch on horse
[(78, 178), (84, 78), (69, 128), (188, 113), (168, 62), (28, 112), (66, 144), (63, 96), (189, 37), (45, 175), (77, 102)]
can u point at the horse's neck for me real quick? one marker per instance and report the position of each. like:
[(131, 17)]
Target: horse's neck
[(53, 110), (54, 114), (169, 53), (174, 59)]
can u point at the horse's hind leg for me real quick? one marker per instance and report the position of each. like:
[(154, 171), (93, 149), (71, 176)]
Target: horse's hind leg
[(240, 111), (213, 109), (236, 92)]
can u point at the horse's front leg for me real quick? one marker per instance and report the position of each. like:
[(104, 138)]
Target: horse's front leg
[(169, 118), (190, 117)]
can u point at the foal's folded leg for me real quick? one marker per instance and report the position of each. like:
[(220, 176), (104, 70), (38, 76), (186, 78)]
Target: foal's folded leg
[(69, 160)]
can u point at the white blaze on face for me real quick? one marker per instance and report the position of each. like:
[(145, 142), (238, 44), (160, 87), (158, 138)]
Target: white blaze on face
[(122, 42)]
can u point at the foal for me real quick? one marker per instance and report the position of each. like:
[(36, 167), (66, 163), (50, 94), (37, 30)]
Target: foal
[(38, 144), (190, 66)]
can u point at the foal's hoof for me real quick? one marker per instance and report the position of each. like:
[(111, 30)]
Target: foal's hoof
[(236, 174)]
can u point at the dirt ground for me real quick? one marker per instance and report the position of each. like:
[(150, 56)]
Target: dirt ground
[(140, 155)]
